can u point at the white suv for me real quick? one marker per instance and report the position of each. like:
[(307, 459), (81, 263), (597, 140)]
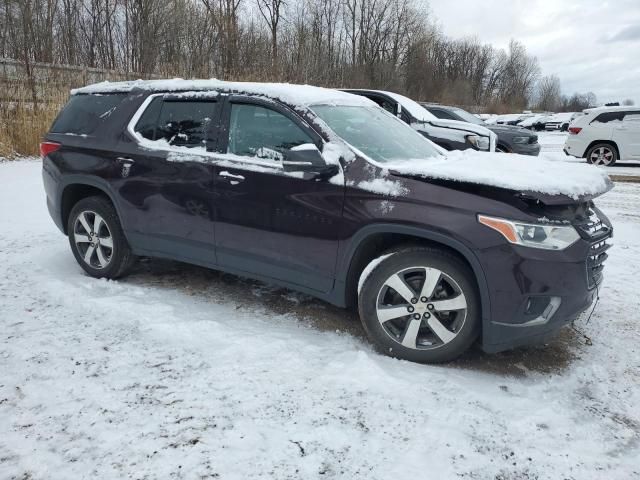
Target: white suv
[(605, 134)]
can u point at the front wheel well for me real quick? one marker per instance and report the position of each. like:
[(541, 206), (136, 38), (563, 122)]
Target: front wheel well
[(375, 245), (605, 142), (72, 194)]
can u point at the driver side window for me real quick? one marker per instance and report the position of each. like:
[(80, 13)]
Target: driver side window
[(256, 131)]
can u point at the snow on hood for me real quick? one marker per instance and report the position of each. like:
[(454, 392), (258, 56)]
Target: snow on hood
[(510, 171), (303, 95)]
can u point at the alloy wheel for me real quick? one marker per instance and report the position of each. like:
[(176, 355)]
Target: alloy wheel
[(93, 239), (421, 308), (602, 156)]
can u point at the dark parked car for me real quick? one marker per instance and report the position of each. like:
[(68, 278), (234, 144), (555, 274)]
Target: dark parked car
[(511, 139), (288, 184), (450, 134)]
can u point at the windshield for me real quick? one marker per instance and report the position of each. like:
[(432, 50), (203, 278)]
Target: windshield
[(468, 117), (376, 133)]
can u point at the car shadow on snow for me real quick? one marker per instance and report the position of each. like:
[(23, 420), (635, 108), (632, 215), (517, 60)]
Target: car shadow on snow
[(211, 285)]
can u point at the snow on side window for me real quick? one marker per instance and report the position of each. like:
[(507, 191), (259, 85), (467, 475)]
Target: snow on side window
[(177, 122), (632, 117), (256, 131)]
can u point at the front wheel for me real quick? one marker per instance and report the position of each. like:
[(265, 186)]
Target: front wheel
[(602, 154), (420, 304), (97, 240)]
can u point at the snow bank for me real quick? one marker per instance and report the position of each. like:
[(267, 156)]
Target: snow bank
[(514, 172), (303, 95)]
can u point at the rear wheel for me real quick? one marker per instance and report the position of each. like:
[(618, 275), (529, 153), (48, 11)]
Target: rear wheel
[(420, 304), (97, 240), (602, 154)]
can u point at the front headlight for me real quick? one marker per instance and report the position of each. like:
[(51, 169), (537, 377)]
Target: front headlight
[(480, 143), (548, 237), (521, 140)]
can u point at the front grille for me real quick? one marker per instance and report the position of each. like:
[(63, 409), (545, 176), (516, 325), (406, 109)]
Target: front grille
[(595, 262), (598, 234)]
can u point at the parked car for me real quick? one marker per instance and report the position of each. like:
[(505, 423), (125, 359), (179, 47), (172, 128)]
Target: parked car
[(560, 121), (604, 135), (536, 122), (303, 187), (511, 139), (448, 134), (508, 119)]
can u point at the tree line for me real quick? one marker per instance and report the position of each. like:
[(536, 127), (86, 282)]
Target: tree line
[(383, 44)]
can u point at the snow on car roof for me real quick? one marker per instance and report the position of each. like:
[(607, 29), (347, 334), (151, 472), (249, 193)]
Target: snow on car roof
[(416, 110), (610, 109), (303, 95)]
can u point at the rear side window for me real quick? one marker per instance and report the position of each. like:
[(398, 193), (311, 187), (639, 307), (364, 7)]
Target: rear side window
[(180, 122), (632, 116), (442, 114), (86, 114), (609, 117)]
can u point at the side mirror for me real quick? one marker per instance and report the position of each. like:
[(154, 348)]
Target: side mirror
[(307, 158)]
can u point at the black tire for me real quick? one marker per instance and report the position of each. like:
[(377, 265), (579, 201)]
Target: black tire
[(375, 288), (602, 153), (118, 257), (502, 149)]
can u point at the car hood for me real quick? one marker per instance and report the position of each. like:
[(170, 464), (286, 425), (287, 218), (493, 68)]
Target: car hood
[(458, 125), (550, 182)]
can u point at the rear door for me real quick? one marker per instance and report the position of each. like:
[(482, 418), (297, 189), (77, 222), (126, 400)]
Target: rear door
[(626, 134), (165, 177), (270, 223)]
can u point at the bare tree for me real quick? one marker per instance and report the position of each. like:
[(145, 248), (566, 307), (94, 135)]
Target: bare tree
[(271, 11), (549, 95)]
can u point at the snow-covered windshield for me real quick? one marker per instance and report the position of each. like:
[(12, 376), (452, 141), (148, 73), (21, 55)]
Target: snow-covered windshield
[(376, 133), (468, 117)]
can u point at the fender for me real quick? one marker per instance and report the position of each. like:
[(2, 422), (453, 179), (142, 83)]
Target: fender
[(467, 253), (90, 180)]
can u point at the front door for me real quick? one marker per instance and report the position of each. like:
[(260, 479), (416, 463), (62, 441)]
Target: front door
[(165, 178), (270, 223)]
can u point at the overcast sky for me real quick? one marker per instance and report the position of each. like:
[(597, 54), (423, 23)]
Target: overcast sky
[(591, 45)]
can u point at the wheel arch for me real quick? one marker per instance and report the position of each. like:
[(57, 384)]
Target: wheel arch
[(596, 142), (371, 241), (77, 187)]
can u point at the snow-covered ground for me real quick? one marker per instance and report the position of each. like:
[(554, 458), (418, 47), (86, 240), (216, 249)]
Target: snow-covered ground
[(179, 372), (552, 144)]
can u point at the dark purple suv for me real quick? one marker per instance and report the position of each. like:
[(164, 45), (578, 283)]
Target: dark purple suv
[(301, 186)]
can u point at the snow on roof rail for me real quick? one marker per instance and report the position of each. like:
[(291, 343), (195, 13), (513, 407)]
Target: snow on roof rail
[(303, 95), (616, 108)]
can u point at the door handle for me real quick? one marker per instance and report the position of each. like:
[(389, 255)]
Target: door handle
[(231, 178), (125, 160)]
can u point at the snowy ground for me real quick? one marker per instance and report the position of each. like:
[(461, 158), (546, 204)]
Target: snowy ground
[(553, 142), (179, 372)]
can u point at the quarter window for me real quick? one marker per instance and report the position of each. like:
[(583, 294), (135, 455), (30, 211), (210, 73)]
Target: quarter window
[(256, 131), (183, 123), (86, 114)]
